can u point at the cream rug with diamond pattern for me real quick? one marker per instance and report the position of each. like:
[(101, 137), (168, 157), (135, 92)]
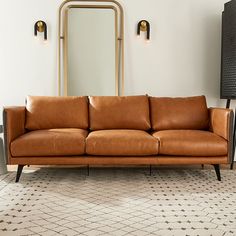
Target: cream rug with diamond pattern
[(118, 201)]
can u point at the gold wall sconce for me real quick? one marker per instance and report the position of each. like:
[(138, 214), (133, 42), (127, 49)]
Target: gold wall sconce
[(40, 26), (144, 25)]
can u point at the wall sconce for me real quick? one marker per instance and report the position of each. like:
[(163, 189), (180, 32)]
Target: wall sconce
[(40, 26), (144, 25)]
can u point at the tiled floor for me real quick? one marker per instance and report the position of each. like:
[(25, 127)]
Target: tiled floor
[(116, 201)]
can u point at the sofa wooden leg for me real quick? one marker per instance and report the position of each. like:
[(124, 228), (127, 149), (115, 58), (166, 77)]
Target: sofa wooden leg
[(18, 173), (217, 170), (88, 170), (150, 170), (232, 166), (202, 166)]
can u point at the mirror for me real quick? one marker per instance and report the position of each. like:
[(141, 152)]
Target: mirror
[(90, 49)]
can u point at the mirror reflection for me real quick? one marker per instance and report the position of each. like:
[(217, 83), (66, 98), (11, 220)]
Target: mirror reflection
[(91, 51)]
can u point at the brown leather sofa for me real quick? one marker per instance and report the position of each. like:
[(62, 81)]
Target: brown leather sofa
[(117, 131)]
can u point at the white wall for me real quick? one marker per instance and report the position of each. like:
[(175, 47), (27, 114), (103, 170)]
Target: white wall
[(27, 65), (182, 58)]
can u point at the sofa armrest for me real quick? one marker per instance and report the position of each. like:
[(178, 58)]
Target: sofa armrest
[(14, 126), (221, 122)]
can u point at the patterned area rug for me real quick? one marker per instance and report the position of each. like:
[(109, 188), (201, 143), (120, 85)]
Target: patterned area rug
[(116, 201)]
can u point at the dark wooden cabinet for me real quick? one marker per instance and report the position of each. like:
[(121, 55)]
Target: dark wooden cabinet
[(228, 54)]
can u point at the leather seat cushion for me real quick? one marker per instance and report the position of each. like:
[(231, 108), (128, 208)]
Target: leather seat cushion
[(190, 143), (51, 142), (119, 112), (44, 112), (179, 113), (121, 143)]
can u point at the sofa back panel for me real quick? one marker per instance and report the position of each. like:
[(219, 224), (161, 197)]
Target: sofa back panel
[(56, 112), (113, 112), (179, 113)]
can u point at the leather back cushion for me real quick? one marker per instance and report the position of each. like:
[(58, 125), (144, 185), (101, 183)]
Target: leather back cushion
[(179, 113), (113, 112), (56, 112)]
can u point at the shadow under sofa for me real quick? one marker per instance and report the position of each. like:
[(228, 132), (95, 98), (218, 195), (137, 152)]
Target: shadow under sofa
[(112, 130)]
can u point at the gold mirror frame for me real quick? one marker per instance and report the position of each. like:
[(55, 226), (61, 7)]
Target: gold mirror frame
[(62, 40)]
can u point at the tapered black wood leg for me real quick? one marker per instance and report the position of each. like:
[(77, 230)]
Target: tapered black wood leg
[(202, 166), (217, 170), (18, 173), (88, 170), (232, 166), (150, 170)]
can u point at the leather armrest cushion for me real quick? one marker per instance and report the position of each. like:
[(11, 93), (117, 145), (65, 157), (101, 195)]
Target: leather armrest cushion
[(221, 122), (14, 125)]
